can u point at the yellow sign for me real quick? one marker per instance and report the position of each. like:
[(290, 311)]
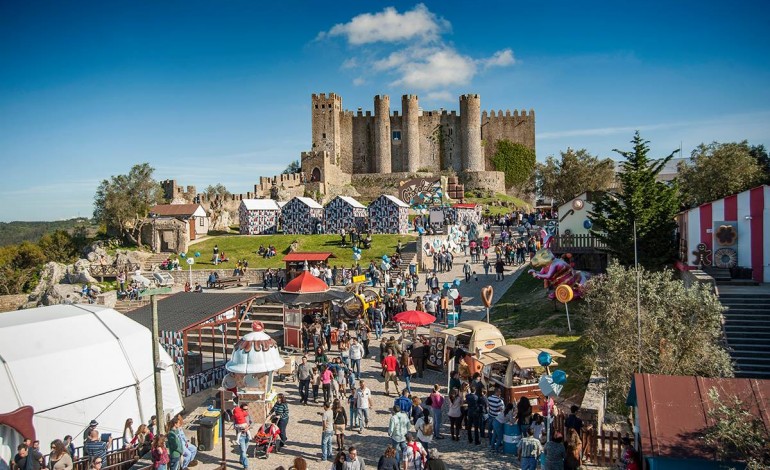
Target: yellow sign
[(359, 278)]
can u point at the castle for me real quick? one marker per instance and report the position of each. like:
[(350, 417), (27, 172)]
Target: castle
[(347, 144), (385, 148)]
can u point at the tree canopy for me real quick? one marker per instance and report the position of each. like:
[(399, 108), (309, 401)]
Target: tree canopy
[(719, 170), (517, 161), (293, 167), (576, 172), (652, 205), (19, 266), (681, 328), (122, 202)]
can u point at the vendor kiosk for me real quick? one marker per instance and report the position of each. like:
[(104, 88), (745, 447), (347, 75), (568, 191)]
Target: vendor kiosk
[(470, 339), (516, 369), (250, 371)]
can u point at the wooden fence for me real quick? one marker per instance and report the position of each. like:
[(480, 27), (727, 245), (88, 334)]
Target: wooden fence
[(577, 243), (601, 448), (111, 270)]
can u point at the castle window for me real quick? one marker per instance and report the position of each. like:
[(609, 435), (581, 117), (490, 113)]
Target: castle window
[(396, 135), (323, 136), (316, 106)]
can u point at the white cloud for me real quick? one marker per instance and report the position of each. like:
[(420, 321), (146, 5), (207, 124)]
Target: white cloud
[(502, 58), (390, 26), (441, 68), (426, 63), (440, 96)]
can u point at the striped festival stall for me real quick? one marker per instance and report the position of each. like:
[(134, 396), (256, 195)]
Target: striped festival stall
[(733, 232)]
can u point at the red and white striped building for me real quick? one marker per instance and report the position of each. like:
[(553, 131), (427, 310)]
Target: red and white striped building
[(749, 215)]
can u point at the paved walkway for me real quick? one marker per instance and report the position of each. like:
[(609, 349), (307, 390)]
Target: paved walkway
[(304, 430)]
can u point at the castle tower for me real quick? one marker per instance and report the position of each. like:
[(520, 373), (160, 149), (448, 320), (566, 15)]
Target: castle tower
[(470, 129), (411, 127), (382, 162), (326, 132)]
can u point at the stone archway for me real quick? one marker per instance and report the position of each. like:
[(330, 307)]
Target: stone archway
[(315, 175)]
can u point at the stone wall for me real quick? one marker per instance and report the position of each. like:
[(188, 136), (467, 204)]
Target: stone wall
[(12, 302), (488, 180), (696, 276), (594, 401), (440, 141), (252, 276), (517, 127)]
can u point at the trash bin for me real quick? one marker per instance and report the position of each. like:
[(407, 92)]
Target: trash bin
[(511, 438), (206, 427), (215, 413)]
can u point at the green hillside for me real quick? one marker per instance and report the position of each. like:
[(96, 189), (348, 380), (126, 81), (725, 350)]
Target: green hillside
[(17, 232)]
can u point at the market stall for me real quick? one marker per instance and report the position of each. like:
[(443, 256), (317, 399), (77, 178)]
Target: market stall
[(514, 368), (471, 338)]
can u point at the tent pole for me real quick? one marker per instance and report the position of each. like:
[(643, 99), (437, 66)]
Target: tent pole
[(160, 418)]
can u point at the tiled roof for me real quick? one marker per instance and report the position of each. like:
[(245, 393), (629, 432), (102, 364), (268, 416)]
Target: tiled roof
[(308, 256), (260, 204), (174, 210), (185, 309)]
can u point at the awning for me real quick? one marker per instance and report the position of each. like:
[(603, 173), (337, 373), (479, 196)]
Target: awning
[(491, 358), (289, 298), (456, 331), (527, 362)]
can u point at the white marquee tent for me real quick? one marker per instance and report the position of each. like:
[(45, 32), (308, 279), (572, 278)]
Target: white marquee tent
[(75, 363)]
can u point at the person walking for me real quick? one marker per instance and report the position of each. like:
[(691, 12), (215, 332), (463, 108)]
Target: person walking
[(60, 458), (436, 404), (434, 461), (304, 374), (407, 366), (388, 459), (327, 376), (356, 353), (414, 455), (327, 431), (467, 270), (281, 410), (397, 430), (159, 453), (529, 451), (242, 424), (499, 270), (353, 461), (363, 404), (455, 413), (340, 421), (390, 371), (424, 428), (473, 419), (495, 407), (573, 447), (419, 351)]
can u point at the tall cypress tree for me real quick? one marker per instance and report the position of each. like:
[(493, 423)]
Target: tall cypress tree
[(652, 204)]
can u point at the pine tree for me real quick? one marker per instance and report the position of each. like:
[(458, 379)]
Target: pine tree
[(644, 200)]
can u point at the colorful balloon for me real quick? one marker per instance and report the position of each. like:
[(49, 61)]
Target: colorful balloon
[(197, 254), (587, 224), (456, 283), (559, 377), (183, 255), (544, 358)]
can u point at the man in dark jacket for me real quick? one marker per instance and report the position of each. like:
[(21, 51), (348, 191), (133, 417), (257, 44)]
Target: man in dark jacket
[(418, 357), (27, 458)]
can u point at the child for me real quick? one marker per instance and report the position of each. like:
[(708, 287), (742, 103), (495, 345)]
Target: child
[(315, 379)]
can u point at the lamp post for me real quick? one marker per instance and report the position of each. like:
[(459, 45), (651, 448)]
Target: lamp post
[(638, 302)]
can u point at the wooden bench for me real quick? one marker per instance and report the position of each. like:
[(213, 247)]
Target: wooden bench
[(225, 282)]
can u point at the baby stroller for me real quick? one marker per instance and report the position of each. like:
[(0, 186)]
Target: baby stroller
[(267, 439)]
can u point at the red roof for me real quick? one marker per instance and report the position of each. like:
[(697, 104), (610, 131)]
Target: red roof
[(308, 256), (174, 209), (306, 283), (673, 411), (465, 205)]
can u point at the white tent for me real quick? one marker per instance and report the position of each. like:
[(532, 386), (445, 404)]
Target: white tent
[(75, 363)]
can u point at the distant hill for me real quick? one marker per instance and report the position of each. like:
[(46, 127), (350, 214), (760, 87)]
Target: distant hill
[(17, 232)]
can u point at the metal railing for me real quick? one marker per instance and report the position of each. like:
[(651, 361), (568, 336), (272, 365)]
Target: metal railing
[(577, 243)]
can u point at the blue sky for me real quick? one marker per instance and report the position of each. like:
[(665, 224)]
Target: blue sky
[(219, 92)]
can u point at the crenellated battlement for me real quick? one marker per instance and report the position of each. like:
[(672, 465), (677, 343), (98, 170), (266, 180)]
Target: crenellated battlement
[(507, 114), (471, 96)]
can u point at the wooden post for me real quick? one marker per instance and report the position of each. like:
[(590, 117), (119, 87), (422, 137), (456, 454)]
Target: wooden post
[(223, 463), (160, 418)]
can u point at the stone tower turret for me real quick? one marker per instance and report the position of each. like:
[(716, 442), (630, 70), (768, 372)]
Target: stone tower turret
[(326, 131), (411, 127), (382, 157), (470, 128)]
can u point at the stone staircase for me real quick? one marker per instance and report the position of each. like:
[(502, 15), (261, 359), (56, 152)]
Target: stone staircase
[(408, 254), (155, 260), (747, 328)]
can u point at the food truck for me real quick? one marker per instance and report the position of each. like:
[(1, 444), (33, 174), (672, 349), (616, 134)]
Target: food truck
[(516, 369), (469, 339)]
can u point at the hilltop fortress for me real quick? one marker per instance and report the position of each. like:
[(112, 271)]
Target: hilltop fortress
[(346, 144), (377, 150)]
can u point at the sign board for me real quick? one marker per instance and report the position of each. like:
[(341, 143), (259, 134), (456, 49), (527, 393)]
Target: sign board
[(359, 278)]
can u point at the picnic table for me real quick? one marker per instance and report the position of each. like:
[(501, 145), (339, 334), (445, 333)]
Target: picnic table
[(225, 282)]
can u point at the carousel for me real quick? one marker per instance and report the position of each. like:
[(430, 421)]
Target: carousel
[(250, 371)]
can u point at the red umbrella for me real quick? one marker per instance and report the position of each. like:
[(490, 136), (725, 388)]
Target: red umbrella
[(415, 317)]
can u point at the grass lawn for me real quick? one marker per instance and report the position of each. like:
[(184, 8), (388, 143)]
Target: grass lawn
[(527, 317), (499, 210), (245, 247)]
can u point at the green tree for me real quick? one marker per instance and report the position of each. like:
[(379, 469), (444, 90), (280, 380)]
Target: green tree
[(517, 161), (576, 172), (19, 266), (217, 196), (293, 167), (123, 202), (737, 434), (763, 160), (650, 204), (58, 246), (718, 170), (681, 328)]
